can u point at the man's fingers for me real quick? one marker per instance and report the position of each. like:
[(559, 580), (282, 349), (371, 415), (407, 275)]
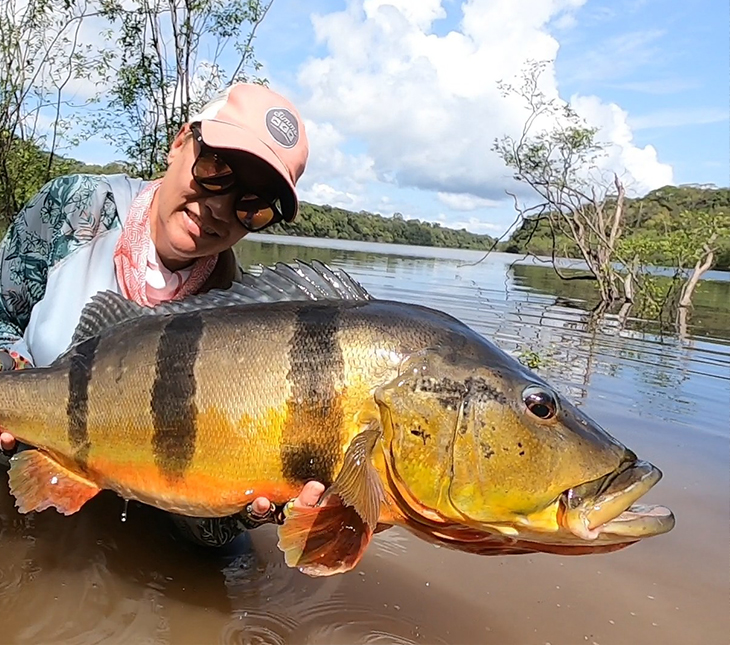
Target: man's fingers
[(7, 441), (310, 495), (308, 498), (260, 506)]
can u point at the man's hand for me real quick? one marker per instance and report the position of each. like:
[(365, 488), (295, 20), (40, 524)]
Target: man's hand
[(262, 511), (309, 496)]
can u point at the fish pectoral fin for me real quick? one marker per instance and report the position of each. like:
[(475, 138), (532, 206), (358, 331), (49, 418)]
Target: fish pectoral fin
[(358, 483), (39, 482), (332, 536)]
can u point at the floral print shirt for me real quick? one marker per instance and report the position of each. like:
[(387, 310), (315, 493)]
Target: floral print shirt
[(67, 212)]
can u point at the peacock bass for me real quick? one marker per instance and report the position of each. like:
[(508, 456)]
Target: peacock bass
[(407, 415)]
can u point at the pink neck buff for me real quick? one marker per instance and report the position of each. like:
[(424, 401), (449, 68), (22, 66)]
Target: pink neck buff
[(132, 255)]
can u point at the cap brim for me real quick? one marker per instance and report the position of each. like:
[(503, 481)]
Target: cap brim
[(218, 134)]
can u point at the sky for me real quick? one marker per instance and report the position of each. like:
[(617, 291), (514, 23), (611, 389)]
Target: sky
[(401, 103)]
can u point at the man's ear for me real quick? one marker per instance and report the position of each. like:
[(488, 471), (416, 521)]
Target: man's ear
[(178, 143)]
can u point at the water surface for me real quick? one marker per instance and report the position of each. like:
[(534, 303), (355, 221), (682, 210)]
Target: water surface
[(92, 578)]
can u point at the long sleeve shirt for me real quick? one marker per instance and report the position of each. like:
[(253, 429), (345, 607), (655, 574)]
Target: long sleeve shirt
[(66, 213)]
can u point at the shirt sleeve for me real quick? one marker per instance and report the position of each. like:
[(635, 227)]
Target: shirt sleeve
[(66, 212)]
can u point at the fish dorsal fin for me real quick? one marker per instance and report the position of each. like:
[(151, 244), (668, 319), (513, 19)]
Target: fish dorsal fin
[(284, 282), (302, 281), (104, 310)]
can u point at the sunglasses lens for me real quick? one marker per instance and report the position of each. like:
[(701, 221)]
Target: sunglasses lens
[(256, 213), (257, 220), (210, 170), (213, 173)]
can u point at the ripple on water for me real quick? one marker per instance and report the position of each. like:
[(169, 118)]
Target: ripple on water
[(259, 575), (338, 621), (92, 579), (393, 542), (251, 627)]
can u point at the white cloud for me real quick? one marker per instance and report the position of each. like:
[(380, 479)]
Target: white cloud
[(325, 194), (427, 108), (329, 161), (565, 22), (421, 14), (639, 168), (465, 202), (476, 225), (472, 224)]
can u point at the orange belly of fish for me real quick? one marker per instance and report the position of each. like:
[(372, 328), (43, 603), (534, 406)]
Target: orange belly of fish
[(196, 494)]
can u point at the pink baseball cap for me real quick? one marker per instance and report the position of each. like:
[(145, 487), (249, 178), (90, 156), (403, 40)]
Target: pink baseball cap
[(254, 119)]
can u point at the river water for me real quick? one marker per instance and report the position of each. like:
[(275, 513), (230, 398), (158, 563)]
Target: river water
[(92, 578)]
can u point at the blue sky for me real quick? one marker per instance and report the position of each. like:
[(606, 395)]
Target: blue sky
[(666, 63), (401, 106)]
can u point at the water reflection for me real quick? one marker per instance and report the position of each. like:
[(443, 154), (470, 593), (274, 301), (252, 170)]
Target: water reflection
[(710, 311)]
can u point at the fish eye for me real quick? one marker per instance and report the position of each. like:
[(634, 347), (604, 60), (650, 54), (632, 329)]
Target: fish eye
[(540, 402)]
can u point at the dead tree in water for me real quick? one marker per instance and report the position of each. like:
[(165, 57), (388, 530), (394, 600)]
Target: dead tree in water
[(555, 156)]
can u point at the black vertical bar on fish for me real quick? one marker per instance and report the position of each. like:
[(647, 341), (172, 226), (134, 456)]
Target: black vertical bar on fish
[(173, 395), (311, 442), (77, 407)]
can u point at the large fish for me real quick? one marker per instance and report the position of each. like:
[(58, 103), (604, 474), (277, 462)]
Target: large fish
[(407, 415)]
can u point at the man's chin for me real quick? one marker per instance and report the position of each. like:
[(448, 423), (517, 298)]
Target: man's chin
[(181, 253)]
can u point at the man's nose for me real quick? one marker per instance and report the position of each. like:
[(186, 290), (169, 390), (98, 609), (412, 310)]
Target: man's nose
[(220, 207)]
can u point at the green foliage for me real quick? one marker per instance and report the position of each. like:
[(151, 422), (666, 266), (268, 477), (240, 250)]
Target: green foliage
[(39, 55), (28, 165), (530, 358), (156, 80), (686, 243), (667, 227), (337, 223)]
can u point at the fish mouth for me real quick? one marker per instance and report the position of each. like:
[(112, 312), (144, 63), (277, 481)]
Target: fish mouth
[(604, 508)]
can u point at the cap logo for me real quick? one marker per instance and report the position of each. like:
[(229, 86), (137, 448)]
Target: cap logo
[(283, 127)]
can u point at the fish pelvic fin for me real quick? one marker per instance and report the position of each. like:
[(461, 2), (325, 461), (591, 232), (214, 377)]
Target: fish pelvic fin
[(332, 536), (39, 482)]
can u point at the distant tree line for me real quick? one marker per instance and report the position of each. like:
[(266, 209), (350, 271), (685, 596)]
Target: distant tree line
[(312, 221), (654, 221), (341, 224)]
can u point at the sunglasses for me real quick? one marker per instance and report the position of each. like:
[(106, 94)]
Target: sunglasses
[(214, 174)]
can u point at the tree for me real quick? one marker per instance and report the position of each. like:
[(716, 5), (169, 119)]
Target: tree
[(691, 244), (555, 156), (337, 223), (157, 78), (39, 55), (656, 214)]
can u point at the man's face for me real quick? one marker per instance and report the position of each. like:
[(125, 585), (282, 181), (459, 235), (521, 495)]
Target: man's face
[(189, 222)]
